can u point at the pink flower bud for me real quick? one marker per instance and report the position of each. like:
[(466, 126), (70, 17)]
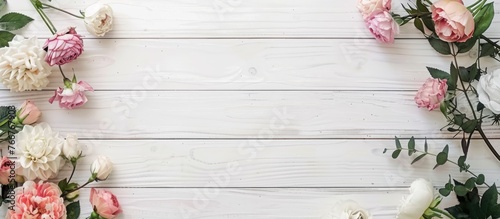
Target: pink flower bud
[(104, 203), (28, 113)]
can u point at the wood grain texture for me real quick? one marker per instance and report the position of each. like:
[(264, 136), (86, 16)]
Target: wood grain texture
[(167, 203), (274, 163), (271, 64), (225, 18)]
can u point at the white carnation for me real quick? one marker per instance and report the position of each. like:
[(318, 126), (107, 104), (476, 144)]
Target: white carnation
[(39, 150), (22, 65)]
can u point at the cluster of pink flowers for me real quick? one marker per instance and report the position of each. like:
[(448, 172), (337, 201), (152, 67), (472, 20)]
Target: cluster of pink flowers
[(377, 17)]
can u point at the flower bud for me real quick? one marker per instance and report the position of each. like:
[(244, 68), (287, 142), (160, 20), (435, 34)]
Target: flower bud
[(27, 114), (72, 196), (101, 168), (72, 149)]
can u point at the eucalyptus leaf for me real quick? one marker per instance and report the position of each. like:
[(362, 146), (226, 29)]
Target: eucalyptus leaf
[(480, 179), (398, 143), (441, 158), (461, 190), (444, 192), (411, 146), (396, 153), (418, 158)]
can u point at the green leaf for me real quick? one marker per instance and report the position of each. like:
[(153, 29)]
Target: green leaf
[(480, 179), (428, 23), (461, 190), (470, 183), (461, 163), (73, 210), (444, 192), (419, 25), (440, 74), (411, 146), (398, 143), (458, 119), (467, 45), (418, 158), (487, 49), (421, 7), (385, 151), (495, 211), (441, 158), (63, 184), (483, 19), (446, 149), (489, 200), (14, 21), (396, 153), (5, 38), (439, 45), (469, 126)]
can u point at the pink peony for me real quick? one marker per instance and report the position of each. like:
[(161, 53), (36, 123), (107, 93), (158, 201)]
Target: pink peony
[(5, 167), (72, 97), (104, 203), (28, 113), (64, 47), (369, 7), (431, 93), (37, 201), (453, 21), (382, 26)]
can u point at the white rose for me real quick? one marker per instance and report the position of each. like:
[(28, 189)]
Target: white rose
[(101, 168), (420, 198), (348, 209), (39, 150), (98, 19), (72, 149), (22, 65), (488, 91)]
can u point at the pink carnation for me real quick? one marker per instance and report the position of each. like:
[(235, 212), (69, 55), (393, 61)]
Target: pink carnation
[(5, 167), (382, 26), (63, 47), (37, 201), (73, 97), (431, 94), (104, 203)]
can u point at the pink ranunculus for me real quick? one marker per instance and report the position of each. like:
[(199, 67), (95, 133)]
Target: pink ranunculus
[(73, 97), (453, 21), (5, 167), (431, 94), (369, 7), (104, 203), (64, 47), (28, 113), (382, 26), (37, 201)]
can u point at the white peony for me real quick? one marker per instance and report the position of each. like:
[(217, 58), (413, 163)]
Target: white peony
[(98, 19), (72, 149), (420, 198), (101, 168), (39, 150), (22, 65), (488, 90), (348, 210)]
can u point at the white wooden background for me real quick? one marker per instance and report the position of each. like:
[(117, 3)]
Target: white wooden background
[(249, 108)]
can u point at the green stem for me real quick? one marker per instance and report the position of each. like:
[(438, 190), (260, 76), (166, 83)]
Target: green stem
[(490, 41), (61, 10), (70, 191), (62, 73), (72, 172), (44, 17), (445, 213), (454, 54), (488, 143)]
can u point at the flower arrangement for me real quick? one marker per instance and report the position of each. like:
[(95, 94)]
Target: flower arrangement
[(26, 64), (40, 153), (467, 96)]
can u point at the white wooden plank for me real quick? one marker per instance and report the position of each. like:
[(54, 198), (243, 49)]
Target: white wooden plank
[(248, 203), (224, 18), (156, 64), (253, 114), (278, 163)]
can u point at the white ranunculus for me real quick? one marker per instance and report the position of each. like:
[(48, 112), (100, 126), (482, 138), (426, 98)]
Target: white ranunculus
[(488, 90), (101, 168), (22, 65), (72, 149), (98, 19), (39, 150), (420, 198), (348, 209)]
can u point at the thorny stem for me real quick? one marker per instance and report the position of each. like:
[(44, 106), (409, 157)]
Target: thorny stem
[(61, 10)]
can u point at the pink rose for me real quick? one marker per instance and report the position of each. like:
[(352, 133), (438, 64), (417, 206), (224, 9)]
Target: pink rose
[(105, 204), (64, 47), (72, 97), (28, 113), (453, 21), (431, 93), (38, 200), (369, 7), (382, 26), (5, 167)]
